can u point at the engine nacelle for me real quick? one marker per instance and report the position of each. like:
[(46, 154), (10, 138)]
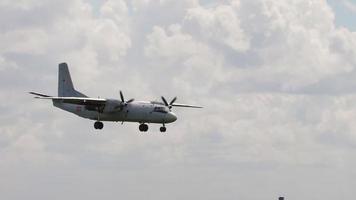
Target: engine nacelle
[(112, 105)]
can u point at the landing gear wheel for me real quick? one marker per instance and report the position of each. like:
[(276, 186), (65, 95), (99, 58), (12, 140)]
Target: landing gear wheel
[(143, 127), (163, 129), (98, 125)]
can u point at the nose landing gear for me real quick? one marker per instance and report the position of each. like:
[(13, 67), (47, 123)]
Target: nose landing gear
[(98, 125), (162, 129)]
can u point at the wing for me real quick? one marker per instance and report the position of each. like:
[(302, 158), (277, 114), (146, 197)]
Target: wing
[(73, 100), (185, 105)]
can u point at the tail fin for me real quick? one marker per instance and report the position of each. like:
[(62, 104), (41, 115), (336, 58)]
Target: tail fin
[(65, 84)]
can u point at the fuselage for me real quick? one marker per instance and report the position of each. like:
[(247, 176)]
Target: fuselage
[(137, 111)]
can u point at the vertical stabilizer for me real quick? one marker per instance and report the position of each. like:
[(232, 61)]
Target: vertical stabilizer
[(65, 84)]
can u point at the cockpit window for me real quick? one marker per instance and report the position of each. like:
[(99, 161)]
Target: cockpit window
[(160, 109)]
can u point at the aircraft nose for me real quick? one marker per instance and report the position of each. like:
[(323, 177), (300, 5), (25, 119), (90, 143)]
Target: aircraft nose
[(171, 117)]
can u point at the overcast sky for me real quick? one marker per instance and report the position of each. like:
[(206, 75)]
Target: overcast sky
[(277, 79)]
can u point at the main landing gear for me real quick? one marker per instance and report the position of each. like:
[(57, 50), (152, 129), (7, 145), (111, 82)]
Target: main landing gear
[(98, 125), (144, 128)]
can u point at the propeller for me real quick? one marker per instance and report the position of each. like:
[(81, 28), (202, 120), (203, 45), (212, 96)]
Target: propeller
[(123, 99), (170, 104)]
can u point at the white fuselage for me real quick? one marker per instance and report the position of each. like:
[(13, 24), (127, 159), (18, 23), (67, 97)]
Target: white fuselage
[(137, 111)]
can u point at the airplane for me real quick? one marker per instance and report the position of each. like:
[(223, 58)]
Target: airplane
[(116, 110)]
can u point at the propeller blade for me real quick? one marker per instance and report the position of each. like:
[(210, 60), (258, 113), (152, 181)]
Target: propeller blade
[(122, 97), (173, 100), (164, 101), (129, 101)]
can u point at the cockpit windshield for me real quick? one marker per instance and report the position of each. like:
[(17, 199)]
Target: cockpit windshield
[(161, 109)]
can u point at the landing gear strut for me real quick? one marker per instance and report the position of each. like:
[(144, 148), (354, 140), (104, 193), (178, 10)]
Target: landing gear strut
[(143, 127), (98, 125)]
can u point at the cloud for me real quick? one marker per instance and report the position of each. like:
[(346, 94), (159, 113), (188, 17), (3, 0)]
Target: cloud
[(220, 24), (349, 5), (275, 78)]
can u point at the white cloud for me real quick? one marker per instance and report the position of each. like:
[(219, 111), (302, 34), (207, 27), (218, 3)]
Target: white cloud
[(4, 64), (220, 24), (349, 5), (24, 41), (109, 41), (173, 44)]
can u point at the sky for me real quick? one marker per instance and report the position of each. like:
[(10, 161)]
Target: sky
[(276, 79), (345, 12)]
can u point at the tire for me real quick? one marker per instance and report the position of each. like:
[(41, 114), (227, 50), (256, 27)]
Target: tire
[(163, 129), (98, 125)]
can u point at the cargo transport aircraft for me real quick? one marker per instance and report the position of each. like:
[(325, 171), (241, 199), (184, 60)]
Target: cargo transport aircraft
[(117, 110)]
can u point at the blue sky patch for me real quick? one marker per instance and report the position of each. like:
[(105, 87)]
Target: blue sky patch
[(345, 13)]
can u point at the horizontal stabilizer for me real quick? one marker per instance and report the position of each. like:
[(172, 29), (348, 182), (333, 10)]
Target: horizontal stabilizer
[(39, 95)]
